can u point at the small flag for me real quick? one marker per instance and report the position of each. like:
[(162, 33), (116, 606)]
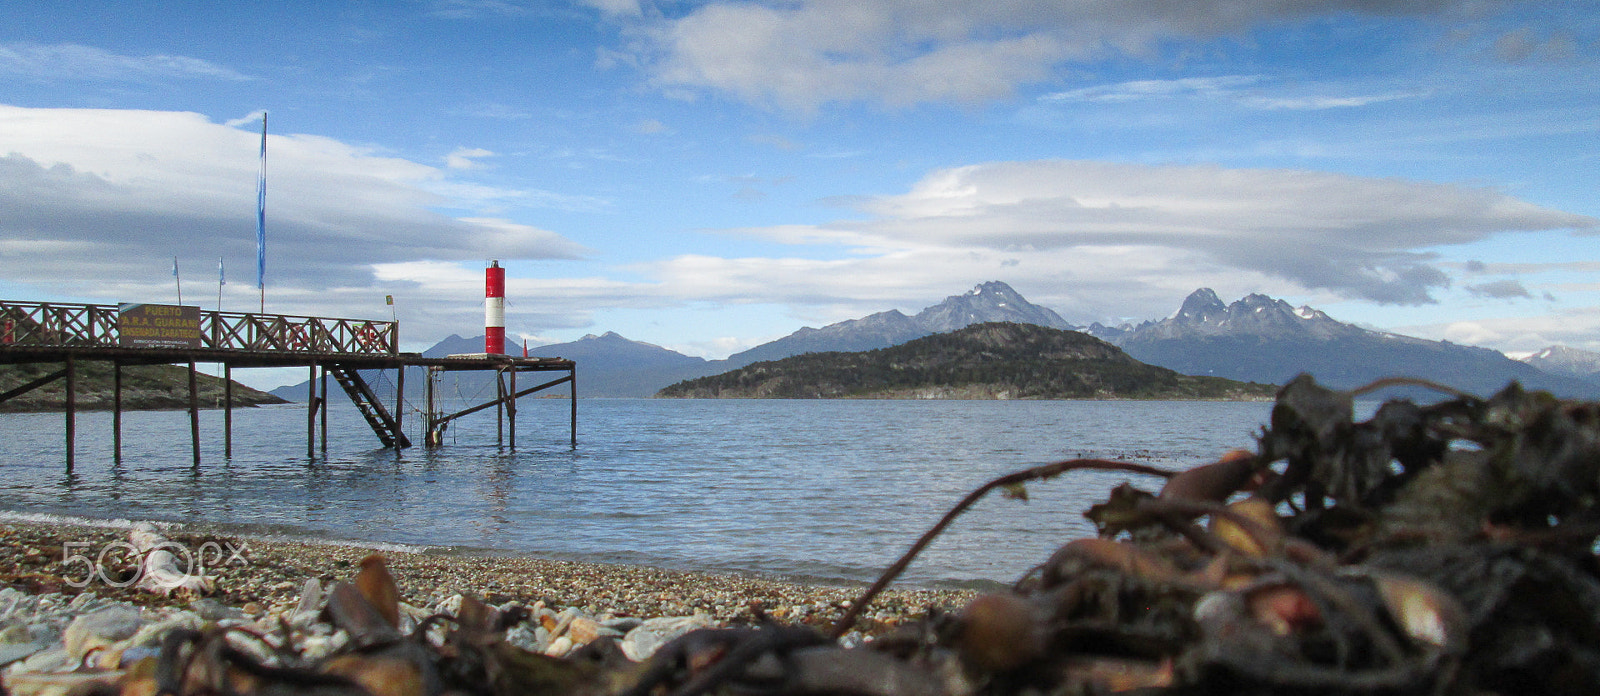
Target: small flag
[(222, 273), (388, 299), (261, 211), (174, 266)]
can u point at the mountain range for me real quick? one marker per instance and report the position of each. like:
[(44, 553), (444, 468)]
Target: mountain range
[(1258, 338), (1254, 339)]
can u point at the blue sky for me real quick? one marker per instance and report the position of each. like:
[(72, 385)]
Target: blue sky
[(708, 176)]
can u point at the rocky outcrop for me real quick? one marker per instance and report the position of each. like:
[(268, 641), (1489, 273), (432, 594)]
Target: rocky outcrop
[(144, 387)]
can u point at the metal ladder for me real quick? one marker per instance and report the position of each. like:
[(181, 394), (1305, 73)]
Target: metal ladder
[(383, 424)]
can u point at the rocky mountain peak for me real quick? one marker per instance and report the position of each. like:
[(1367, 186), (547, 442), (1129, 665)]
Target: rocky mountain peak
[(988, 302), (1257, 302), (1201, 306), (1204, 314), (1567, 361)]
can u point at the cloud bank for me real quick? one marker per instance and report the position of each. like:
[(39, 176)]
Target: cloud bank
[(96, 203), (1358, 237), (99, 201), (801, 55), (1101, 241), (78, 62)]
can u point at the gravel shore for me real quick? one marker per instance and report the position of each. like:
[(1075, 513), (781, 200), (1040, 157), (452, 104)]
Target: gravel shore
[(255, 574)]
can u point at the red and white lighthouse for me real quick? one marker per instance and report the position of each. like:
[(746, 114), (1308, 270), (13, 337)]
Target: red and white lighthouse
[(494, 309)]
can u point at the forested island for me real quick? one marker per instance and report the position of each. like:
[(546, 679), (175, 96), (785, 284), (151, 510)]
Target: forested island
[(983, 361)]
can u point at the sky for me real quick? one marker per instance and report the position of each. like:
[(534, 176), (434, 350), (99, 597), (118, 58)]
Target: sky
[(708, 176)]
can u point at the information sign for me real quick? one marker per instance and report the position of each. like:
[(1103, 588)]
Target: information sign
[(158, 326)]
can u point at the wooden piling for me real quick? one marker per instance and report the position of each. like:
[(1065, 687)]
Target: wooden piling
[(72, 408), (194, 412), (431, 414), (322, 407), (399, 402), (227, 411), (311, 415), (116, 412)]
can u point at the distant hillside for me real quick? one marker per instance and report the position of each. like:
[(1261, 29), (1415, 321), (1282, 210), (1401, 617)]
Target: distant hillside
[(608, 366), (144, 387), (983, 361)]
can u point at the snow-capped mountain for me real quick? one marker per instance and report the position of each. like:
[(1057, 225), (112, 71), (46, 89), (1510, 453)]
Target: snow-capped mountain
[(992, 301), (1261, 339), (1569, 362), (1204, 314)]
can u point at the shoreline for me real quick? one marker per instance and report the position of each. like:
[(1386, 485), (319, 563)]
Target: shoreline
[(41, 557)]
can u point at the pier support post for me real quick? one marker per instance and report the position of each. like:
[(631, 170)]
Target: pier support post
[(574, 392), (500, 407), (311, 415), (194, 412), (116, 412), (72, 408), (511, 411), (431, 437), (322, 407), (227, 410), (399, 403)]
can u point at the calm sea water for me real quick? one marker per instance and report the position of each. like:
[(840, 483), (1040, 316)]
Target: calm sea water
[(819, 490)]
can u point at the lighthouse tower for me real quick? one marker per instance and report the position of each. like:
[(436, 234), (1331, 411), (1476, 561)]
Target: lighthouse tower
[(494, 309)]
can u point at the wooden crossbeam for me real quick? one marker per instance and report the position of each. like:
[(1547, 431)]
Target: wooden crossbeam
[(501, 400), (35, 384)]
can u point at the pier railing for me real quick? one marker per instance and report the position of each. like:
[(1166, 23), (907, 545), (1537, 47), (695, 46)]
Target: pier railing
[(172, 326)]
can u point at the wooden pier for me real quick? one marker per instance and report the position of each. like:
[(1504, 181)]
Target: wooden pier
[(48, 332)]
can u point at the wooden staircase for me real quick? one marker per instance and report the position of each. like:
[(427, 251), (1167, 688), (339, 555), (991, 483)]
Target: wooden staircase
[(383, 424)]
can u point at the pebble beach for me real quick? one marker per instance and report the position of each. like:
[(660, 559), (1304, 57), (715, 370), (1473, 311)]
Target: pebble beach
[(54, 574), (255, 571)]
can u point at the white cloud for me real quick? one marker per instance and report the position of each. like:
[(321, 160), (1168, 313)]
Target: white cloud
[(252, 118), (1317, 103), (1138, 90), (803, 54), (1085, 285), (1576, 327), (471, 9), (616, 8), (446, 297), (651, 126), (1500, 289), (114, 195), (466, 157), (1240, 89), (78, 62)]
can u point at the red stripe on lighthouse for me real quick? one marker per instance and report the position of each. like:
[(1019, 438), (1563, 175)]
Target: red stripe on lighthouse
[(494, 309)]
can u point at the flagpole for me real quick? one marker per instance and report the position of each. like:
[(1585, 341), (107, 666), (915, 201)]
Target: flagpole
[(261, 219)]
